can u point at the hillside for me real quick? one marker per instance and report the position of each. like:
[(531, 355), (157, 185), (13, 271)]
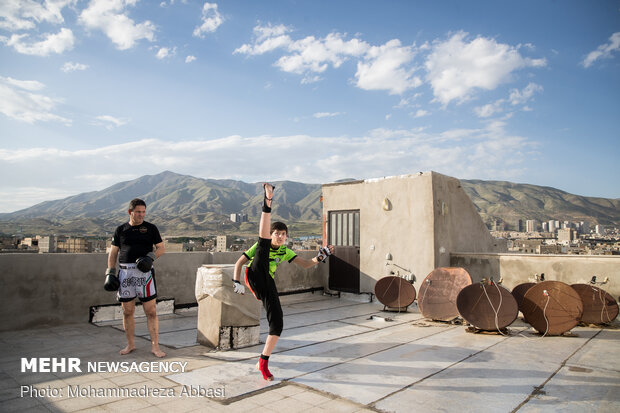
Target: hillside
[(508, 202), (178, 204), (186, 205)]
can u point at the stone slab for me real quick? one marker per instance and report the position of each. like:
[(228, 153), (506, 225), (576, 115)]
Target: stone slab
[(498, 379), (240, 378)]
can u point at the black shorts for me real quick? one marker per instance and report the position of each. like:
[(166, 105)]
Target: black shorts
[(263, 286)]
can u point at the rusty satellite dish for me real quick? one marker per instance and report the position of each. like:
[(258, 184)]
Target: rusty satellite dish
[(599, 307), (487, 306), (519, 291), (552, 307), (395, 292), (438, 292)]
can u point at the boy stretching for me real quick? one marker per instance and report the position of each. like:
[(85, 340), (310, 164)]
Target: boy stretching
[(264, 257)]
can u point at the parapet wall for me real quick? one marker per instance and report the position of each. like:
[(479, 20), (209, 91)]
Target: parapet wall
[(53, 289), (515, 269)]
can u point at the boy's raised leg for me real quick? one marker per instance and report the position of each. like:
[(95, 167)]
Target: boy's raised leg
[(264, 225), (264, 230)]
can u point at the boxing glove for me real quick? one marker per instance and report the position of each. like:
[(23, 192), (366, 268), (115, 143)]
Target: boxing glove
[(324, 252), (111, 280), (145, 263)]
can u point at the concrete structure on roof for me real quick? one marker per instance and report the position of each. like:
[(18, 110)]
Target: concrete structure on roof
[(515, 269), (408, 223)]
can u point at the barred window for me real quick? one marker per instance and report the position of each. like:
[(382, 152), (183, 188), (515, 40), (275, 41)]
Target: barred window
[(344, 228)]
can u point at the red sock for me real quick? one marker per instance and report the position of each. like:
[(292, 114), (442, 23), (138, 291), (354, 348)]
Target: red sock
[(263, 366)]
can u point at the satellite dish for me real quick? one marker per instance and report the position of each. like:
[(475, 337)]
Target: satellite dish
[(487, 306), (395, 292), (438, 292), (599, 307), (519, 291), (552, 307)]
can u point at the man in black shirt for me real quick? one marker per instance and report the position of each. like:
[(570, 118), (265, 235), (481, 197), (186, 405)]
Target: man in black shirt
[(132, 245)]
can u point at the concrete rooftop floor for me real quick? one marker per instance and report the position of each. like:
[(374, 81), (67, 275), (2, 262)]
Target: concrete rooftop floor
[(332, 357)]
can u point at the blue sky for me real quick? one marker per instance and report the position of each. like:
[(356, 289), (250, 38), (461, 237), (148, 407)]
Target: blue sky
[(96, 92)]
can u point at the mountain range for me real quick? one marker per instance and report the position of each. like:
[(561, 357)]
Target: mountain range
[(184, 205)]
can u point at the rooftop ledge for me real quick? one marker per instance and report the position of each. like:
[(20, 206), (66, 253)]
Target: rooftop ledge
[(520, 254)]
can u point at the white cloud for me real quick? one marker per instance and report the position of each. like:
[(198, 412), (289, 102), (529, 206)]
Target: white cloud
[(315, 55), (72, 67), (489, 109), (110, 16), (23, 84), (211, 20), (421, 113), (408, 102), (25, 14), (319, 115), (516, 97), (52, 43), (162, 53), (403, 103), (110, 122), (165, 52), (384, 68), (266, 39), (307, 56), (307, 79), (486, 153), (457, 67), (190, 59), (604, 51), (519, 97), (18, 102), (263, 33)]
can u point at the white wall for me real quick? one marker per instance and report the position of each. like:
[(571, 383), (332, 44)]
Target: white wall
[(430, 213)]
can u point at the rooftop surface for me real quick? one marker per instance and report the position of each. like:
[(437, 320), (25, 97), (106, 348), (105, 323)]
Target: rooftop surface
[(333, 356)]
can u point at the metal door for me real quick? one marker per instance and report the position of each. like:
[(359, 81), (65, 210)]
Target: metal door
[(344, 265)]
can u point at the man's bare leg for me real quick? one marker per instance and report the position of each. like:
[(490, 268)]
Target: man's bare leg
[(129, 325), (152, 322)]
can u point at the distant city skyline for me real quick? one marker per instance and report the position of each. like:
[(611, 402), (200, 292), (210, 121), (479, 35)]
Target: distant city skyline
[(97, 92)]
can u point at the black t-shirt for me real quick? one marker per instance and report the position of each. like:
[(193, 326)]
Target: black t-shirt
[(135, 241)]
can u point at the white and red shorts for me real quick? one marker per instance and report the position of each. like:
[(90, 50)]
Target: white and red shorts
[(135, 283)]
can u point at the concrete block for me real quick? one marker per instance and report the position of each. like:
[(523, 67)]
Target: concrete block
[(237, 337), (103, 313), (115, 312), (245, 336), (225, 320)]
